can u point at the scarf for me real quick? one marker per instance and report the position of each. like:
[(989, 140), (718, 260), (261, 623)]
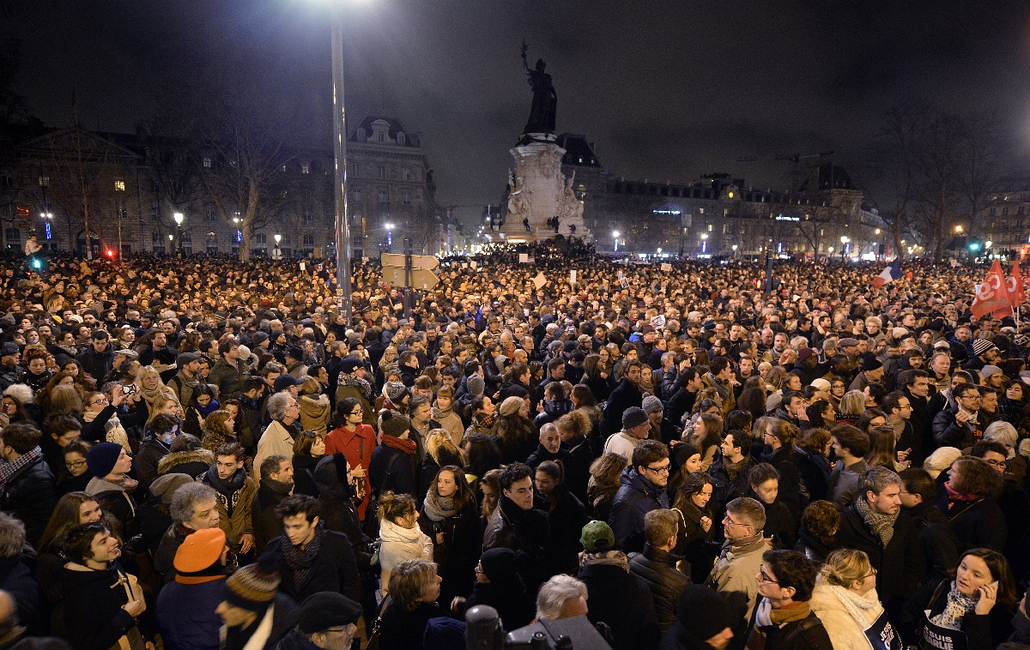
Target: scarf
[(113, 429), (360, 384), (149, 395), (882, 525), (8, 470), (301, 560), (228, 490), (124, 481), (483, 422), (610, 558), (275, 486), (766, 615), (956, 607), (211, 407), (955, 497), (438, 508), (861, 608), (732, 469), (407, 445), (738, 544)]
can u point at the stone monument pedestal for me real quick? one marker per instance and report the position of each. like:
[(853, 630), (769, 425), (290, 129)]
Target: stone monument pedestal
[(538, 193)]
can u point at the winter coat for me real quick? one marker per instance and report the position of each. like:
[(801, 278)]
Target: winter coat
[(233, 504), (805, 634), (733, 576), (658, 569), (97, 364), (357, 446), (314, 412), (304, 475), (622, 443), (565, 520), (937, 542), (976, 523), (815, 473), (514, 606), (622, 397), (790, 495), (335, 568), (509, 526), (267, 523), (186, 614), (113, 499), (144, 463), (338, 511), (450, 421), (93, 614), (402, 630), (459, 552), (193, 463), (541, 454), (635, 498), (228, 379), (30, 495), (623, 600), (981, 631), (901, 560), (392, 470), (845, 631), (553, 409), (724, 488), (693, 543), (275, 441), (398, 544)]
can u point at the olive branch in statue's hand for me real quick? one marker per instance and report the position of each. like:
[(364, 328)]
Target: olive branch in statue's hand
[(524, 48)]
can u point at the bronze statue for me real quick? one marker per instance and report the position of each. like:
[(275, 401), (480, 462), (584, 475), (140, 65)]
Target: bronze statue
[(545, 99)]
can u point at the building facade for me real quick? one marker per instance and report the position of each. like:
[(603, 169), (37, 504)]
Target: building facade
[(719, 215), (126, 190)]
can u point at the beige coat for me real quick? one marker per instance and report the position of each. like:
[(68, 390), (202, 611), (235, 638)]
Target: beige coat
[(275, 441), (846, 632)]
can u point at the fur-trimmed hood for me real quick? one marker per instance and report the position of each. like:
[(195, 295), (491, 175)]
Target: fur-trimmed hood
[(205, 457)]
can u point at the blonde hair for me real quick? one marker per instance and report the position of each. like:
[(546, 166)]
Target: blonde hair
[(846, 565)]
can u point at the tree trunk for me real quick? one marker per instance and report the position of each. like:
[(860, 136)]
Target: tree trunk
[(247, 228)]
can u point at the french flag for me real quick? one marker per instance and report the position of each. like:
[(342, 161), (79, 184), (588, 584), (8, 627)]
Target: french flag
[(890, 274)]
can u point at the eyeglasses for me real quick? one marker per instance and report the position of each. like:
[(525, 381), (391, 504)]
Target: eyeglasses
[(101, 400), (727, 520), (871, 573), (996, 463), (764, 577), (74, 464), (664, 469), (358, 412)]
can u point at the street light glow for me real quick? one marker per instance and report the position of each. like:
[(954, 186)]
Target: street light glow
[(178, 216), (616, 233)]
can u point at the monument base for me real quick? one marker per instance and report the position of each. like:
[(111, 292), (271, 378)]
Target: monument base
[(541, 200)]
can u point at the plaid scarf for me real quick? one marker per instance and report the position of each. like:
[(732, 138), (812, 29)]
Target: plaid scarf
[(301, 560), (8, 470)]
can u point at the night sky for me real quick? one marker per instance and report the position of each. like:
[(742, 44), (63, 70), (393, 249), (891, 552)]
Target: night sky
[(667, 90)]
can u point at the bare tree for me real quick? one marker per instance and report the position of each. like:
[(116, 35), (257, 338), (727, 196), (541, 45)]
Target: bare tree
[(244, 131), (939, 192), (896, 154), (985, 156)]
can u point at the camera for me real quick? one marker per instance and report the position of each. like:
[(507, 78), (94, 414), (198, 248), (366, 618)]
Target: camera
[(484, 630)]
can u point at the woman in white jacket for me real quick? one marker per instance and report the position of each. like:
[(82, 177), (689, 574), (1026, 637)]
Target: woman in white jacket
[(845, 601), (400, 537)]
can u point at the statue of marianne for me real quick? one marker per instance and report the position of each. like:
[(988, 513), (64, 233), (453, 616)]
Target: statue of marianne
[(545, 99)]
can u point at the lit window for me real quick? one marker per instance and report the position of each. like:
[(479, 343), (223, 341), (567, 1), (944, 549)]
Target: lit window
[(119, 186), (207, 162), (305, 168), (44, 181)]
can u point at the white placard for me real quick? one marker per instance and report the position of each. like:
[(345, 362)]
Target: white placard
[(523, 258), (572, 277), (540, 280), (666, 267)]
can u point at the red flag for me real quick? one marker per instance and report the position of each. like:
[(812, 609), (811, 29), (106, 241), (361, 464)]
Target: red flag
[(1014, 288), (991, 296)]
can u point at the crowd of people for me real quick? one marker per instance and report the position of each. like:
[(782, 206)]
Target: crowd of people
[(199, 453)]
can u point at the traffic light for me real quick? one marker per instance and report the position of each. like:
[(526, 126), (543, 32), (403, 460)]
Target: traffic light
[(974, 245)]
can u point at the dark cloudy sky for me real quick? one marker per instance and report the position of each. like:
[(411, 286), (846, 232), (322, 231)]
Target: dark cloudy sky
[(666, 89)]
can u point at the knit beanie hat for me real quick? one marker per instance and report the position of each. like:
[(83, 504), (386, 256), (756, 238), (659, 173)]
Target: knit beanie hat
[(200, 551), (259, 338), (652, 405), (511, 405), (982, 345), (632, 417), (476, 385), (396, 391), (499, 564), (702, 613), (101, 458), (253, 587), (325, 610), (395, 425)]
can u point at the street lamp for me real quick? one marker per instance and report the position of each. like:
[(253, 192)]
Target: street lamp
[(277, 252), (389, 236), (958, 229), (844, 239), (178, 216), (615, 238), (343, 240)]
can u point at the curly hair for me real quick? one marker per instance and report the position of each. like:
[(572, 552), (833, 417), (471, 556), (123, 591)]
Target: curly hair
[(976, 478)]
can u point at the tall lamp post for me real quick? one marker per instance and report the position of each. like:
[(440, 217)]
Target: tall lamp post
[(178, 216), (343, 239), (615, 240)]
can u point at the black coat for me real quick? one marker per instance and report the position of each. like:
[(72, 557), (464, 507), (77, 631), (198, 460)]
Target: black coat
[(937, 542), (267, 523), (635, 498), (806, 634), (982, 631), (975, 523), (459, 552), (401, 630), (93, 614), (144, 463), (785, 462), (391, 469), (335, 569), (902, 559), (624, 396), (514, 605), (623, 601), (658, 569), (30, 495)]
